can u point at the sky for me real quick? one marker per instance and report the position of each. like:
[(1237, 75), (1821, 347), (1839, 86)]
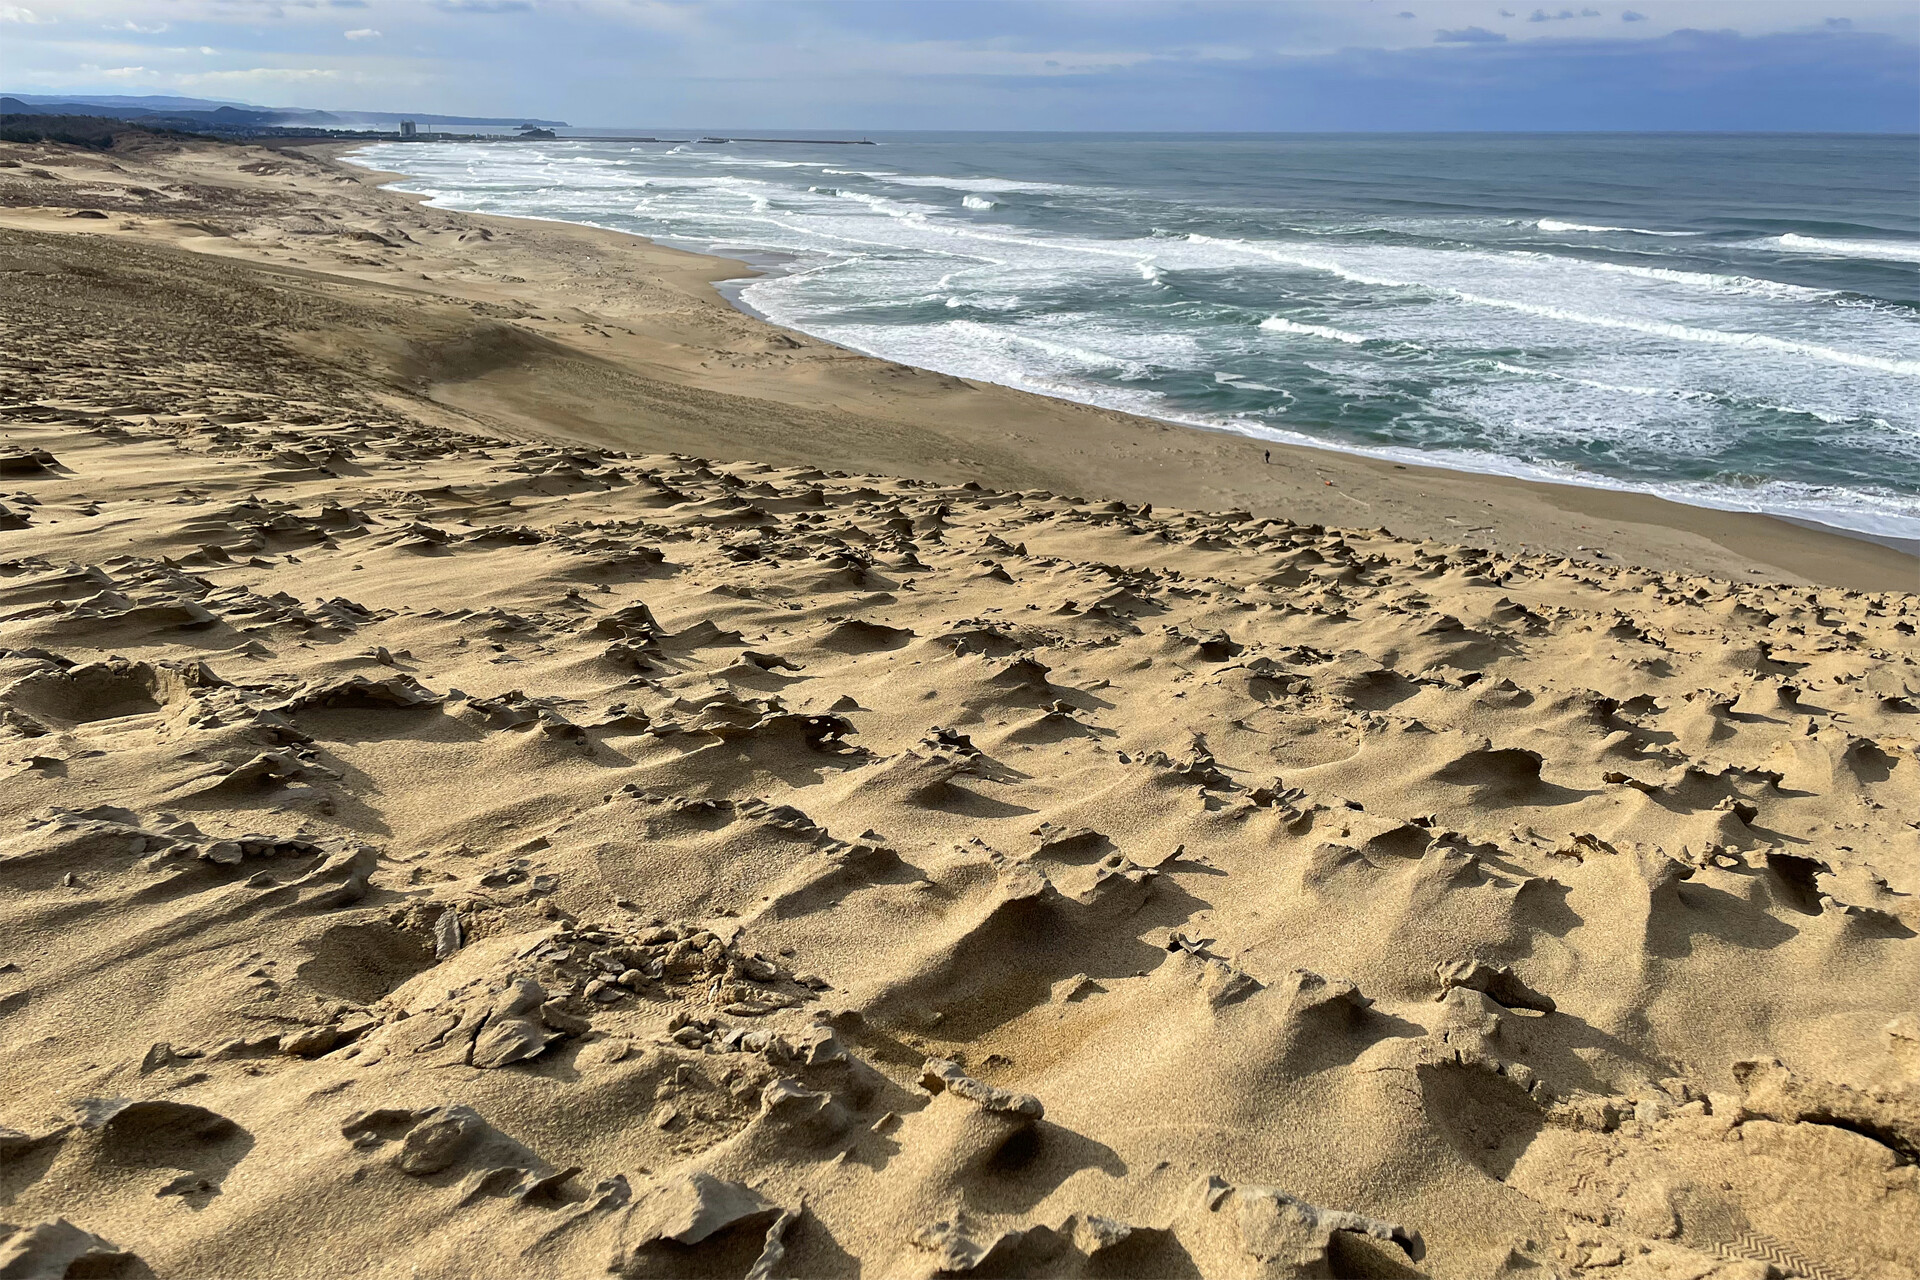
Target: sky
[(871, 65)]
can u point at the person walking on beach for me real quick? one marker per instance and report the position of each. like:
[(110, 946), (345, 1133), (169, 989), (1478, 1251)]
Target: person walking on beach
[(1269, 454)]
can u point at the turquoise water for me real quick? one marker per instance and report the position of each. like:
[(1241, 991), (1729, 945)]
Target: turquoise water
[(1730, 320)]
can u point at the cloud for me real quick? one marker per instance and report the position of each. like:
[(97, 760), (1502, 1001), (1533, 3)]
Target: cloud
[(1008, 64), (1689, 80), (1838, 24), (294, 75), (25, 17), (131, 25), (362, 33), (1628, 15), (1564, 15), (1404, 13)]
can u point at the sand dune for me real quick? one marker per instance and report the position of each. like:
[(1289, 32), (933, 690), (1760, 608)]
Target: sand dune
[(425, 853)]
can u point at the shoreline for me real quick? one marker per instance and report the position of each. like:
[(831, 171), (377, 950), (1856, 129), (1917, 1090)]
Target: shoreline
[(1409, 458), (730, 288), (557, 330)]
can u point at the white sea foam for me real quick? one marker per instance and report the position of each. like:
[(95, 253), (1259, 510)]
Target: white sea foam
[(1681, 393), (880, 204), (1248, 384), (1692, 333), (977, 202), (747, 162), (1017, 356), (1710, 280), (1883, 250), (1694, 396), (1280, 324), (985, 302), (974, 184), (1554, 224), (1655, 393), (1651, 327)]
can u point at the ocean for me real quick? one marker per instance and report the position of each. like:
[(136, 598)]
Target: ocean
[(1726, 320)]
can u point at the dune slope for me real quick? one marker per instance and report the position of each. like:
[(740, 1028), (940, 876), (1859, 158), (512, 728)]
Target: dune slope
[(426, 854)]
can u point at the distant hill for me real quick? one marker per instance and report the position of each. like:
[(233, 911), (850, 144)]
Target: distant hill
[(206, 113), (151, 101), (99, 133)]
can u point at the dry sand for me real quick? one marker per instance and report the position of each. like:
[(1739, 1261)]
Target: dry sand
[(485, 792)]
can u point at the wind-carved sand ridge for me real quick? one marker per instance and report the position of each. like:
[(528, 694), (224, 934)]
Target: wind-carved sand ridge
[(423, 853)]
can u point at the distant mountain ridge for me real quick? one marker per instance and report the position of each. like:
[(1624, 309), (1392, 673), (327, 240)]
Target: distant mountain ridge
[(161, 109), (154, 101)]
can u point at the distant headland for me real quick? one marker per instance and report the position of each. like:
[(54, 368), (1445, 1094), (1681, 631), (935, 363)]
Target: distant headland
[(61, 115)]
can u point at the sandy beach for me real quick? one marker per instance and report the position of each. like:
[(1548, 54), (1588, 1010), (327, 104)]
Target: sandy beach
[(513, 767)]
